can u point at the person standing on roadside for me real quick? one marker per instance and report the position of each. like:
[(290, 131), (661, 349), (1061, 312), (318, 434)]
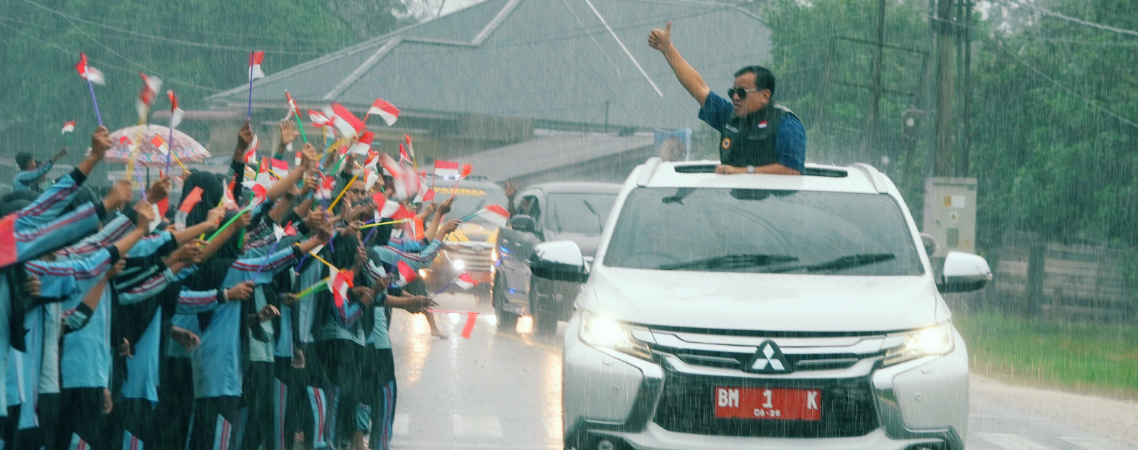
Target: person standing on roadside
[(32, 172), (756, 134)]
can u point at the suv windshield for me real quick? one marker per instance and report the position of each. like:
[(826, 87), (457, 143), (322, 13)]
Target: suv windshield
[(765, 231), (578, 213)]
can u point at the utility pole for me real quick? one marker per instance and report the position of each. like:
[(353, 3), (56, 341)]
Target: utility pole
[(962, 162), (944, 52), (869, 140)]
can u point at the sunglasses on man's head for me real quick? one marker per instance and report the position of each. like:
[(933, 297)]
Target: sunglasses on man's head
[(741, 91)]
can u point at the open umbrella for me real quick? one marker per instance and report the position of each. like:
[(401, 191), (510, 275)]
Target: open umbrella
[(184, 147)]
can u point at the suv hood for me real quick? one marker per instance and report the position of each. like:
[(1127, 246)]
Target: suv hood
[(766, 302)]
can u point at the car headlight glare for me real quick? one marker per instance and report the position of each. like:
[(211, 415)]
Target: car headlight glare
[(935, 340), (603, 332), (458, 265)]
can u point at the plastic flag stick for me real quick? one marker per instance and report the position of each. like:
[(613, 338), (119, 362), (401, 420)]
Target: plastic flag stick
[(330, 266), (91, 87), (230, 222), (250, 114), (314, 287), (370, 225), (266, 261), (344, 191)]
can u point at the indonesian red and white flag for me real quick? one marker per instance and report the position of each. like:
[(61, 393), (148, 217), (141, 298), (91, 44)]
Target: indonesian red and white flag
[(363, 144), (406, 180), (176, 113), (387, 111), (465, 281), (406, 274), (410, 148), (403, 155), (89, 73), (160, 144), (348, 124), (495, 214), (191, 200), (390, 208), (125, 141), (340, 285), (150, 87), (255, 59), (446, 169), (68, 127), (251, 152), (280, 232), (327, 185), (372, 161), (426, 194), (466, 170), (292, 108), (279, 166), (319, 119)]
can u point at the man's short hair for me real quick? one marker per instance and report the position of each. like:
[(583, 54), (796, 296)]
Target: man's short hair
[(23, 159), (764, 78)]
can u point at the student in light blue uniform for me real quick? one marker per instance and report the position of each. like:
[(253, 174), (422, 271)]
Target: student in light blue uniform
[(85, 363)]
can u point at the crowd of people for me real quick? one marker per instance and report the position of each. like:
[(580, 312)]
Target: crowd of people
[(208, 326)]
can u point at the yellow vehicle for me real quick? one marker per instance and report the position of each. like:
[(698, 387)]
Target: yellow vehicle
[(470, 248)]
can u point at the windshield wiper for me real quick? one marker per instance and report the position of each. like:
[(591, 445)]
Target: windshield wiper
[(841, 263), (593, 210), (730, 262)]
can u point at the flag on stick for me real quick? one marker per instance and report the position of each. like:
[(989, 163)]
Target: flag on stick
[(68, 127), (348, 124), (406, 274), (494, 214), (465, 281), (387, 111), (150, 87), (93, 76), (340, 285), (160, 144), (446, 169), (363, 144), (255, 59)]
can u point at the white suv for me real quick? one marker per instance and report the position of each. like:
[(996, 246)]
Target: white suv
[(762, 311)]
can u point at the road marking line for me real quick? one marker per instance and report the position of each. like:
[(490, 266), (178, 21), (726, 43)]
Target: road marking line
[(1010, 441), (399, 425), (1094, 443), (477, 426)]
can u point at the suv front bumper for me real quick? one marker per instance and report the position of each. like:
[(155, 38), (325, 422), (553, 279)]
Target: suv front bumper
[(608, 395)]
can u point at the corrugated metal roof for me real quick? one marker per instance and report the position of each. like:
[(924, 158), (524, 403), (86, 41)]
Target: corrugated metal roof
[(551, 60), (549, 153)]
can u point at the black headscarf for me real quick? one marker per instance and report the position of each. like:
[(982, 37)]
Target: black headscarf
[(212, 191)]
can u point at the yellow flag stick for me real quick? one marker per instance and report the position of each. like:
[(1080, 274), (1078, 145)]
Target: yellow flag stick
[(314, 287), (344, 191), (330, 266), (384, 223)]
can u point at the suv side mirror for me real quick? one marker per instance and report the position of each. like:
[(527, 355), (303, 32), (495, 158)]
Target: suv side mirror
[(963, 272), (522, 222), (559, 261)]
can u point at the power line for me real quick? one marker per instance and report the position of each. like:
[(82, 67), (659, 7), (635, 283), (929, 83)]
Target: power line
[(149, 36), (101, 64), (1067, 89), (1075, 20)]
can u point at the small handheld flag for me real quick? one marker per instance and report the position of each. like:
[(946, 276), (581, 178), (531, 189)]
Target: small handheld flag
[(406, 274), (363, 144), (255, 59), (150, 87), (340, 285), (348, 124), (465, 281), (387, 111), (68, 127), (93, 76), (494, 214), (160, 144), (446, 169)]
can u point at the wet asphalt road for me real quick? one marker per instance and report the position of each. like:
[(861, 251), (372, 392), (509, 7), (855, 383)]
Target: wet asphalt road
[(503, 391)]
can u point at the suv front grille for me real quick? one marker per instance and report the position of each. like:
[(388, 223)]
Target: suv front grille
[(799, 363), (687, 406), (476, 259)]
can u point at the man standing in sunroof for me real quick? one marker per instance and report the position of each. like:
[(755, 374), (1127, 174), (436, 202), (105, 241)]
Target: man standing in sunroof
[(756, 134)]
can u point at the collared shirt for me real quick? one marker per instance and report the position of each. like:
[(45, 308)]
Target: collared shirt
[(790, 142)]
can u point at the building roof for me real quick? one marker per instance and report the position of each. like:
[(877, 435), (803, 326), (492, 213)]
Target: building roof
[(558, 61), (550, 153)]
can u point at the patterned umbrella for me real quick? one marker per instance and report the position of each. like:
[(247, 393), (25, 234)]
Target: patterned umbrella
[(184, 147)]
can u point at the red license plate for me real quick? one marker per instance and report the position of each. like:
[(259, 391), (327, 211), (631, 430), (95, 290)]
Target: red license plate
[(768, 404)]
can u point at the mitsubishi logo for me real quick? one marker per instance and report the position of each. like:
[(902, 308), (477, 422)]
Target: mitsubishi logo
[(769, 359)]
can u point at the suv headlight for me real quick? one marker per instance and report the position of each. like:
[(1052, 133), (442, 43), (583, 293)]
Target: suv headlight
[(603, 332), (934, 340)]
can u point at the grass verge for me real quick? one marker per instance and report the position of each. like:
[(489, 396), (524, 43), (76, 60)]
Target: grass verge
[(1079, 357)]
